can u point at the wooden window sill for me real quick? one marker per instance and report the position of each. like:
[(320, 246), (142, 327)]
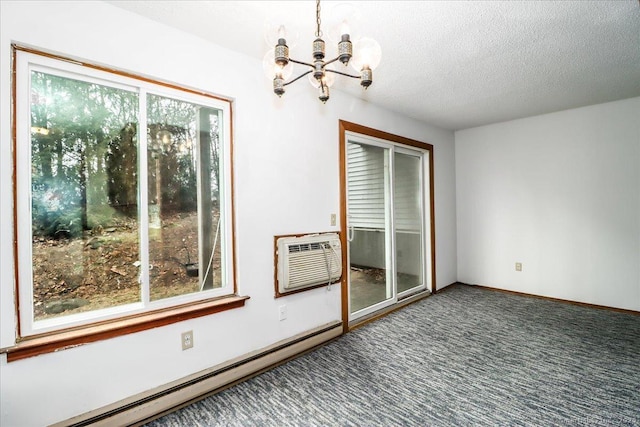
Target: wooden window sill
[(68, 338)]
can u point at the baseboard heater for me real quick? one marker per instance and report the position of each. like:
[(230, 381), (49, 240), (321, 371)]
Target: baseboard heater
[(145, 407)]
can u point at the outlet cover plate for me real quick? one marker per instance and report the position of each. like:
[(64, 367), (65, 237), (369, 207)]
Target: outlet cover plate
[(187, 340), (282, 311)]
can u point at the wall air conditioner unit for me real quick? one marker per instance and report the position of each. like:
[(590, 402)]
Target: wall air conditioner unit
[(307, 261)]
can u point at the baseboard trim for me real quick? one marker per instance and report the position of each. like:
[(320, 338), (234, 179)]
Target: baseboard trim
[(150, 405), (567, 301), (444, 288)]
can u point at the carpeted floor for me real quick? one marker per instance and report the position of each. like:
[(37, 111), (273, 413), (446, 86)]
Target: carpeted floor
[(463, 357)]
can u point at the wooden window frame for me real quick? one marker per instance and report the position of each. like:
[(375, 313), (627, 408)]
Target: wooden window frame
[(73, 336)]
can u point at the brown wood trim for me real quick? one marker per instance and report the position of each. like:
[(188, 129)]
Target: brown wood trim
[(566, 301), (356, 128), (345, 126), (275, 267), (449, 286), (432, 215), (117, 71), (47, 343), (277, 293), (343, 225)]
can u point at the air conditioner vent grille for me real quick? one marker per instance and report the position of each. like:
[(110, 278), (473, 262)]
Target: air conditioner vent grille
[(303, 247), (308, 261)]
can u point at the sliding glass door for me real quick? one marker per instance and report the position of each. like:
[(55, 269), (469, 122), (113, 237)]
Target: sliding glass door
[(386, 223)]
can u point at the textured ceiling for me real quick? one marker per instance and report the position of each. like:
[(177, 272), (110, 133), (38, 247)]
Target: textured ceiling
[(454, 64)]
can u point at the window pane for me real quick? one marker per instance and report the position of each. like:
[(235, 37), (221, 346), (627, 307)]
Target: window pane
[(369, 248), (408, 221), (185, 233), (84, 178)]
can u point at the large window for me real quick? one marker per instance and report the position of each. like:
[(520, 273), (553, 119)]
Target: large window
[(123, 195)]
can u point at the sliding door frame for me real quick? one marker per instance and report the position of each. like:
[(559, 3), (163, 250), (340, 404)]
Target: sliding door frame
[(345, 127)]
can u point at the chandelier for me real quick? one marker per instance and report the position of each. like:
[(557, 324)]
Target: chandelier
[(363, 57)]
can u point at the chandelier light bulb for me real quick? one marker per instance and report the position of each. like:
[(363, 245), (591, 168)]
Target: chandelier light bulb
[(367, 52), (284, 72), (313, 81), (344, 18), (345, 28), (278, 27), (328, 80), (270, 68)]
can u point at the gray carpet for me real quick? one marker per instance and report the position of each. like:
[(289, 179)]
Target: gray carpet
[(463, 357)]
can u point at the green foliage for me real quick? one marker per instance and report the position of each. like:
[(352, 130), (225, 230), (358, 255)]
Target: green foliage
[(69, 162), (100, 216), (85, 166), (55, 210)]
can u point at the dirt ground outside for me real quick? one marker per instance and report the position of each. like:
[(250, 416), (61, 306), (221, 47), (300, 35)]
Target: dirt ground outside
[(102, 268)]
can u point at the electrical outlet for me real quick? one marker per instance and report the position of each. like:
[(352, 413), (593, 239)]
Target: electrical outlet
[(187, 340), (333, 219), (518, 266), (283, 312)]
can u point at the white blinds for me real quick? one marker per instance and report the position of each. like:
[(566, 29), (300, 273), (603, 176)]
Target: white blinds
[(368, 183), (407, 192), (366, 186)]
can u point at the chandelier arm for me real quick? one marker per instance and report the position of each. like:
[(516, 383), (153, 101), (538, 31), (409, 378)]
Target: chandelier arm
[(342, 74), (300, 62), (297, 78), (333, 60)]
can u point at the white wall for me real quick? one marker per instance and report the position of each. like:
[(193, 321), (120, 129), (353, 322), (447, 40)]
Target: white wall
[(559, 193), (286, 164)]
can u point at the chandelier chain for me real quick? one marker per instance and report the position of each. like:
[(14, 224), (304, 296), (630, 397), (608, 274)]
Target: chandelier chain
[(318, 32)]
